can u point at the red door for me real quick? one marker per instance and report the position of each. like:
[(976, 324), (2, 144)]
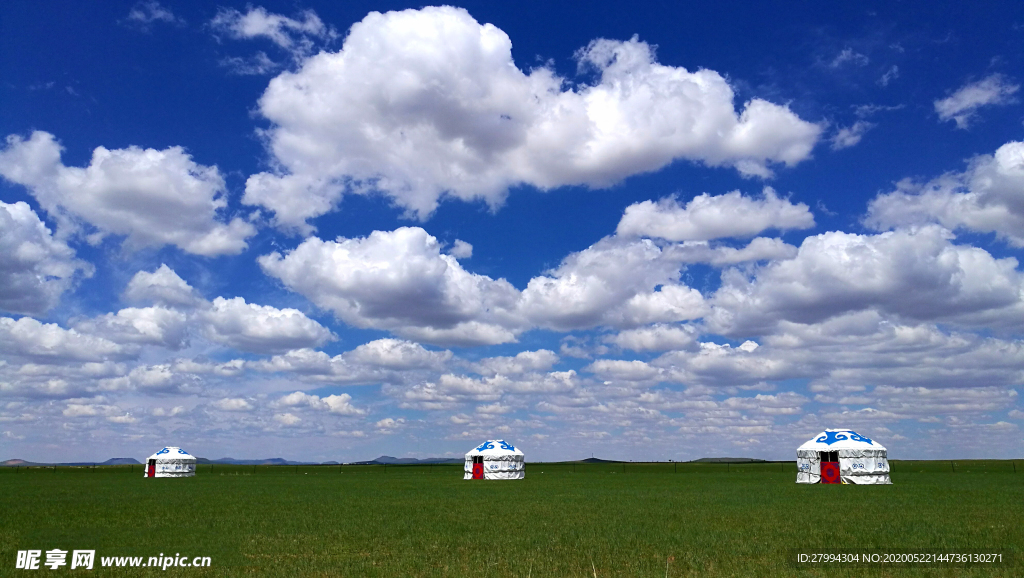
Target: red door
[(478, 471), (830, 473), (151, 470)]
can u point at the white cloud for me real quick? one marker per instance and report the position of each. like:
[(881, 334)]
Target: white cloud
[(35, 268), (849, 56), (90, 410), (149, 11), (708, 217), (390, 423), (985, 198), (30, 338), (397, 354), (399, 281), (962, 105), (429, 103), (847, 137), (149, 325), (915, 274), (623, 370), (294, 34), (260, 328), (522, 362), (255, 65), (162, 412), (890, 75), (151, 197), (164, 287), (614, 283), (232, 322), (162, 378), (336, 404), (233, 404), (658, 337), (461, 249), (287, 419)]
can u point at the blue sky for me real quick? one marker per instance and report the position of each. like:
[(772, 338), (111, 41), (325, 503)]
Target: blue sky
[(330, 231)]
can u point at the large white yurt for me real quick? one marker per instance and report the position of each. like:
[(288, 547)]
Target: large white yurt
[(170, 463), (495, 460), (842, 456)]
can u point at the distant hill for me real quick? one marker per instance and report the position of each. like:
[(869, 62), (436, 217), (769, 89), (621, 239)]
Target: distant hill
[(728, 460), (121, 462), (263, 462), (599, 461), (408, 461), (110, 462)]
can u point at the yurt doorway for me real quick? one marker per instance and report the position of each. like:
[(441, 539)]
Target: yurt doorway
[(151, 469), (829, 467), (478, 467)]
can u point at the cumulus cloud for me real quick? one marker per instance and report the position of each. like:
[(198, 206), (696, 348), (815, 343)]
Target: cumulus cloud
[(658, 337), (915, 274), (986, 198), (398, 354), (708, 217), (149, 325), (260, 328), (232, 322), (461, 249), (163, 287), (615, 283), (233, 404), (429, 103), (152, 197), (30, 338), (962, 105), (522, 362), (35, 268), (399, 281), (336, 404)]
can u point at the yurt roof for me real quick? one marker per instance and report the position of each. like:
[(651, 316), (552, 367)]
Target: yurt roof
[(495, 448), (171, 453), (831, 440)]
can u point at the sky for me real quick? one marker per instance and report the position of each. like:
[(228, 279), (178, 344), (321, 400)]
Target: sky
[(331, 231)]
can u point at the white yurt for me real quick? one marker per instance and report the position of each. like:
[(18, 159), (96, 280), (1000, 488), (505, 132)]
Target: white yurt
[(495, 460), (170, 463), (842, 456)]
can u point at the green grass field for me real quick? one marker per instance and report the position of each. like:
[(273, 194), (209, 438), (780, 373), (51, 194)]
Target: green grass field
[(636, 520)]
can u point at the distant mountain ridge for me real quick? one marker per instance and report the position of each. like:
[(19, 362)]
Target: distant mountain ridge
[(110, 462), (728, 460), (409, 461)]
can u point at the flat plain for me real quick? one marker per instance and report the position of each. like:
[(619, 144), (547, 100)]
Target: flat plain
[(608, 519)]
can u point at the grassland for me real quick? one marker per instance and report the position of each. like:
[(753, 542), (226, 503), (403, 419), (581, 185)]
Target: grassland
[(608, 519)]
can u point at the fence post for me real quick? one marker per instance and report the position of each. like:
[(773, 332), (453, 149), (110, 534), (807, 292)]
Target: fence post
[(952, 465)]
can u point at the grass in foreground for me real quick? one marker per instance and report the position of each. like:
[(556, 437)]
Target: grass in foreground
[(649, 520)]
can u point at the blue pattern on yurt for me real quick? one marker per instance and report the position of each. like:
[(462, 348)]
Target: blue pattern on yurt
[(832, 437)]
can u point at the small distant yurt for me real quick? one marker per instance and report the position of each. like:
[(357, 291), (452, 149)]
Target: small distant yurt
[(170, 463), (841, 456), (495, 460)]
